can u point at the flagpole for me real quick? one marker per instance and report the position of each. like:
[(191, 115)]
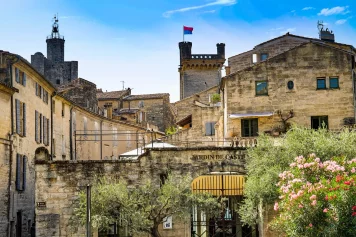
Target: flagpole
[(183, 33)]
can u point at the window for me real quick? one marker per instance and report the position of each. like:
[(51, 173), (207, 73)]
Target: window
[(263, 56), (249, 127), (21, 172), (20, 77), (58, 81), (319, 122), (210, 129), (261, 88), (45, 96), (53, 107), (290, 85), (20, 118), (45, 131), (85, 126), (96, 127), (320, 83), (38, 127), (62, 109), (334, 82), (141, 104), (254, 58)]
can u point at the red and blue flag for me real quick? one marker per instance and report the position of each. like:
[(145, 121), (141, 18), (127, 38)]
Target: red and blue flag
[(188, 30)]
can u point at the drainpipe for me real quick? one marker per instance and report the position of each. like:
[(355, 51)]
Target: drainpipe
[(101, 139), (71, 132), (54, 93), (10, 202)]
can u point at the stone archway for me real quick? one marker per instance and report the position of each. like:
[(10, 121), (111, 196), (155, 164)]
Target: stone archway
[(42, 154)]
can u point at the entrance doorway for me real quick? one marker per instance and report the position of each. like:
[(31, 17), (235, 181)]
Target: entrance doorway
[(228, 224)]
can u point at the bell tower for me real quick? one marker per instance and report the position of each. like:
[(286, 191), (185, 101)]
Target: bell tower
[(55, 44), (199, 72)]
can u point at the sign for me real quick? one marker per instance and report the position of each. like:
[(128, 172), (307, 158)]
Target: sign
[(41, 204), (218, 157), (167, 222)]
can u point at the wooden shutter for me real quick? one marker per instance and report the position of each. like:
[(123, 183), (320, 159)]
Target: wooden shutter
[(40, 128), (36, 89), (44, 130), (17, 75), (18, 172), (17, 105), (47, 132), (24, 120), (207, 129), (36, 126), (254, 127), (24, 79), (24, 164)]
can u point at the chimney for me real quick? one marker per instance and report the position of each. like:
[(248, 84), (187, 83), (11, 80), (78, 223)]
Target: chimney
[(327, 35), (227, 70), (220, 47), (109, 111)]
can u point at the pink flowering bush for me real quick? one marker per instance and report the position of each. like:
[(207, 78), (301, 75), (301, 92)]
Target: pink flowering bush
[(317, 198)]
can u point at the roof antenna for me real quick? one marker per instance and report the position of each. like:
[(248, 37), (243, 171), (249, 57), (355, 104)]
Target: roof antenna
[(320, 26), (123, 85)]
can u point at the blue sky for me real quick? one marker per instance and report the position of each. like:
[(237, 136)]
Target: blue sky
[(136, 41)]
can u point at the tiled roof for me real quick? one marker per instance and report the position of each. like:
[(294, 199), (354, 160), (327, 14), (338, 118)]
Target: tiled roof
[(111, 94), (126, 111), (146, 96)]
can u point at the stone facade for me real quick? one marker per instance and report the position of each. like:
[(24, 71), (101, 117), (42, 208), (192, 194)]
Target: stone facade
[(272, 48), (58, 182), (302, 66), (199, 72), (81, 92)]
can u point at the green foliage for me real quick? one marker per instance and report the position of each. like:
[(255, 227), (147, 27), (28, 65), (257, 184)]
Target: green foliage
[(144, 207), (317, 198), (215, 98), (171, 130), (271, 157)]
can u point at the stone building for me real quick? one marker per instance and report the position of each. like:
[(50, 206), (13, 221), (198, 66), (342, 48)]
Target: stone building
[(198, 72), (38, 121), (53, 67)]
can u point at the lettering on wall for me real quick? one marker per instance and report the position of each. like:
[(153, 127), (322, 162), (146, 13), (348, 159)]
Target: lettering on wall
[(218, 157)]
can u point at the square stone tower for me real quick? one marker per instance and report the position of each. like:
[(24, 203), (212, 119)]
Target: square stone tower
[(54, 68), (199, 72)]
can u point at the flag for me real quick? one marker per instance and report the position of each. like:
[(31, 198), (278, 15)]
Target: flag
[(188, 30)]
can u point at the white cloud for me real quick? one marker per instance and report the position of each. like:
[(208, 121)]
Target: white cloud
[(212, 11), (290, 30), (308, 8), (333, 11), (340, 22), (215, 3)]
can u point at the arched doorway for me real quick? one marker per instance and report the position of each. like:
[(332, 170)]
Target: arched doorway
[(222, 184)]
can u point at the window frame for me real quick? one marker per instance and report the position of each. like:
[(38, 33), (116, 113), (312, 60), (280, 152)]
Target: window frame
[(20, 112), (212, 128), (250, 125), (265, 94), (21, 162), (338, 83), (317, 85), (262, 55), (321, 119)]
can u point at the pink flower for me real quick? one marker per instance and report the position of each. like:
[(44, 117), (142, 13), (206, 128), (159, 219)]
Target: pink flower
[(353, 170), (325, 210), (276, 207), (310, 225), (317, 160), (312, 197), (301, 206), (313, 203)]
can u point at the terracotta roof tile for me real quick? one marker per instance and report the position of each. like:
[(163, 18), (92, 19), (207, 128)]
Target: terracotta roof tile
[(146, 96)]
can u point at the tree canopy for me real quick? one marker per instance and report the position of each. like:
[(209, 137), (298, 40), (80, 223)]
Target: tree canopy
[(145, 207), (271, 157)]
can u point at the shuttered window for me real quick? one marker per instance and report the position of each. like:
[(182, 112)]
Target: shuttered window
[(37, 126), (41, 128), (209, 128), (20, 117), (249, 127), (20, 77), (21, 162), (45, 122)]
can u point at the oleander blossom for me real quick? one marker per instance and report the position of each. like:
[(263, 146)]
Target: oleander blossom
[(317, 189)]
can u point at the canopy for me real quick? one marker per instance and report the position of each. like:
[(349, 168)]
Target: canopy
[(251, 115)]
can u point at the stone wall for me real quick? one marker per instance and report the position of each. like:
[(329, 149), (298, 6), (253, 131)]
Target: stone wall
[(302, 65), (81, 92), (185, 106), (59, 182), (272, 48)]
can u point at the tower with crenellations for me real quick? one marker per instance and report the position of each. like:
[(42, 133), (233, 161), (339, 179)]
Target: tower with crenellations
[(54, 68), (199, 72)]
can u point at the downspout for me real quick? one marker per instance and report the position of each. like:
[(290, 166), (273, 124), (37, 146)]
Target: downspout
[(10, 160), (101, 139), (71, 132), (53, 94)]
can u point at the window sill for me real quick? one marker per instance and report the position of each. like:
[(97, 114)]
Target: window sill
[(334, 88), (261, 95), (320, 89)]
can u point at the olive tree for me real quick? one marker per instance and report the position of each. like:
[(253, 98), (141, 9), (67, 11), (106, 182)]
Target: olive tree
[(143, 208)]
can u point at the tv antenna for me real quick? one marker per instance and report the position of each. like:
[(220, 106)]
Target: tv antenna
[(123, 85), (320, 25)]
